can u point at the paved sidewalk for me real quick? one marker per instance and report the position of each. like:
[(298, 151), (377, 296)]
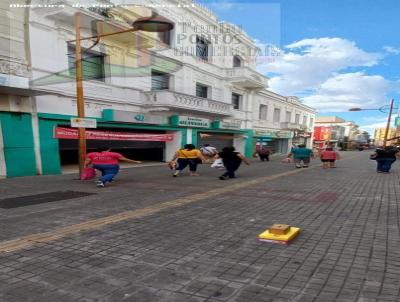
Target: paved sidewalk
[(205, 249)]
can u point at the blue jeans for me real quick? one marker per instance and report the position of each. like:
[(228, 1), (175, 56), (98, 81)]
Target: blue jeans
[(384, 164), (107, 171)]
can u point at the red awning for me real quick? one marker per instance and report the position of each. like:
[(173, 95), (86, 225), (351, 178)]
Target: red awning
[(72, 133)]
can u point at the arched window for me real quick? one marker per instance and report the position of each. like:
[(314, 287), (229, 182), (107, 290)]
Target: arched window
[(237, 61)]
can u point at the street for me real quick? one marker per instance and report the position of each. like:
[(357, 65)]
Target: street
[(151, 237)]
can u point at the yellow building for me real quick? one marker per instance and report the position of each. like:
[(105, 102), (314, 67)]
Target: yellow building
[(379, 135)]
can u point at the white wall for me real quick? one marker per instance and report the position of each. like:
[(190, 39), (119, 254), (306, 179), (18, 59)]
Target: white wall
[(171, 147), (240, 144)]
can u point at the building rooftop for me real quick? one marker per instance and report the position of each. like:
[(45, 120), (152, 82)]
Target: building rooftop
[(329, 119)]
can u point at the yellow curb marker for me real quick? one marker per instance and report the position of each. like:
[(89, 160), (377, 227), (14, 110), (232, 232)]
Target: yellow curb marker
[(30, 240)]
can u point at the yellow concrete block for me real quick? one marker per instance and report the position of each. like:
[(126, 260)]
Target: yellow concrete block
[(279, 238)]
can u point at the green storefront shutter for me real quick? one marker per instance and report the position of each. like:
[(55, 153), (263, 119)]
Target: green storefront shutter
[(18, 143)]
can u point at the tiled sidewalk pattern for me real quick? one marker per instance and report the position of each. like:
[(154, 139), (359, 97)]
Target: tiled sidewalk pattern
[(348, 249)]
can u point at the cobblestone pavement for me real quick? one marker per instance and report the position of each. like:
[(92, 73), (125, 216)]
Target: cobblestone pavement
[(206, 249)]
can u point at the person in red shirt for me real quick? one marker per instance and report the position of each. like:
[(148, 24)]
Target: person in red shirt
[(329, 157), (107, 163)]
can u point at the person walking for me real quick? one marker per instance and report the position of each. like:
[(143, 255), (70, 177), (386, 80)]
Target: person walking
[(208, 152), (231, 160), (301, 156), (263, 152), (385, 157), (188, 156), (329, 157), (107, 163)]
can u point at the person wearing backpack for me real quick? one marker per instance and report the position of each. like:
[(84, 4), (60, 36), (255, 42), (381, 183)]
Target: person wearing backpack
[(188, 156), (385, 157), (263, 153)]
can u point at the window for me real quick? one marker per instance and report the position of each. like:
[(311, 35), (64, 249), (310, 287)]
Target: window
[(277, 115), (311, 122), (159, 80), (165, 37), (201, 90), (92, 64), (236, 100), (237, 61), (297, 119), (263, 114), (288, 116), (305, 120), (202, 48)]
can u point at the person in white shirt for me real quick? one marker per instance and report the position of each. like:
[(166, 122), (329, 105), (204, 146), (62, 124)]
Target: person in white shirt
[(208, 151)]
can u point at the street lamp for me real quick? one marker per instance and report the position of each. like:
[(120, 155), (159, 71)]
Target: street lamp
[(155, 23), (381, 109)]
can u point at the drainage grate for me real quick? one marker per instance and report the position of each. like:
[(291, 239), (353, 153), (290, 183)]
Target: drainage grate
[(23, 201)]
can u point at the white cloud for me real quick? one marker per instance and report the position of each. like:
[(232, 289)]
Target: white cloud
[(391, 50), (344, 91), (374, 122), (322, 72)]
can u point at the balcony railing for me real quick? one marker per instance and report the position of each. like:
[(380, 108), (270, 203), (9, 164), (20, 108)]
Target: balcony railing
[(246, 77), (293, 126), (166, 100)]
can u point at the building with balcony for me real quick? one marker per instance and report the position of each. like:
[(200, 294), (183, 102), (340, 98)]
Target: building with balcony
[(196, 84), (344, 134), (281, 122)]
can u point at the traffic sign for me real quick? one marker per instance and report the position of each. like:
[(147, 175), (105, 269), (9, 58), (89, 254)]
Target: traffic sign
[(397, 121)]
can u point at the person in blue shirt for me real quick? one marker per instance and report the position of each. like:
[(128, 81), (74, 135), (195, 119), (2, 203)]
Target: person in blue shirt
[(301, 156)]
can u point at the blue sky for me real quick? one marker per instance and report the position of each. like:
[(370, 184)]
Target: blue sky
[(335, 54)]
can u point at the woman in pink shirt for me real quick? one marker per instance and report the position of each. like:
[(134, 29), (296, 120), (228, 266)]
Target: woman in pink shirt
[(329, 157), (107, 163)]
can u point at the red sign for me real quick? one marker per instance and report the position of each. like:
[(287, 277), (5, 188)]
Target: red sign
[(322, 133), (68, 133)]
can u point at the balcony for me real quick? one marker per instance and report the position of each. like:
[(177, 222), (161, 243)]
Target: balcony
[(167, 100), (246, 77), (293, 126)]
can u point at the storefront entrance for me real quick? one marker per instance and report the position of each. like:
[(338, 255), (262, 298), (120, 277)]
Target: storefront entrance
[(138, 150), (217, 140)]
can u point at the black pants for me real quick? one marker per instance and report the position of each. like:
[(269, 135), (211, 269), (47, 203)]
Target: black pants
[(264, 157), (184, 162), (231, 167)]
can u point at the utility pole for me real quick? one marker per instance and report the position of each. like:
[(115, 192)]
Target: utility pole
[(388, 123), (79, 93)]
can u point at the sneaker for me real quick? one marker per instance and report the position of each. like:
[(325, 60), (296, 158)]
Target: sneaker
[(100, 184), (222, 177)]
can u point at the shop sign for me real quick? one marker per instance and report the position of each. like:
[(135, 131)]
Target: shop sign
[(133, 117), (77, 122), (228, 124), (302, 134), (69, 133), (322, 133), (273, 133), (188, 121)]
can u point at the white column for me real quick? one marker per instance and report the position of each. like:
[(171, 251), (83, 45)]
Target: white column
[(189, 134), (3, 168), (171, 147), (36, 142)]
